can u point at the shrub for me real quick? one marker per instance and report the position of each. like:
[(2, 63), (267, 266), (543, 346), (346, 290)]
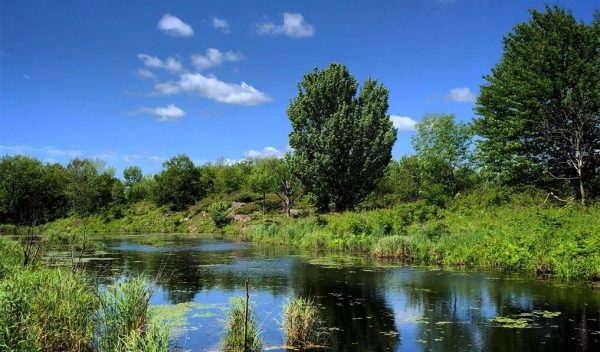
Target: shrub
[(303, 324), (46, 310), (219, 213), (233, 340)]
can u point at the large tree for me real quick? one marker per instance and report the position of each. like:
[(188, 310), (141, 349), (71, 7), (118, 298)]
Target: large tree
[(540, 107), (180, 183), (30, 192), (342, 141), (443, 150)]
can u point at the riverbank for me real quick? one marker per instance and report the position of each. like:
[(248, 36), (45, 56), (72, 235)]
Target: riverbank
[(514, 233)]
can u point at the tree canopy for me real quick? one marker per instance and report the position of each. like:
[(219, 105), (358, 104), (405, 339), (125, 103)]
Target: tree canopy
[(342, 141), (540, 108)]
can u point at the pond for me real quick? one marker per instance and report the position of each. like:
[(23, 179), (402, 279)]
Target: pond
[(367, 305)]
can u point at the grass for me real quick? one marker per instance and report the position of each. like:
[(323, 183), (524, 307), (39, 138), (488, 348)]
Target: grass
[(233, 339), (125, 321), (54, 309), (303, 324), (46, 310)]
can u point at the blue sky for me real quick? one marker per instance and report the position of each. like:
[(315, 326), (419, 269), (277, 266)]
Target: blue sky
[(136, 82)]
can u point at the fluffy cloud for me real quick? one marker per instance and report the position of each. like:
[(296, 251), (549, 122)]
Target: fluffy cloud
[(145, 74), (214, 57), (462, 94), (166, 113), (171, 64), (173, 26), (265, 152), (403, 123), (293, 26), (212, 88), (220, 24)]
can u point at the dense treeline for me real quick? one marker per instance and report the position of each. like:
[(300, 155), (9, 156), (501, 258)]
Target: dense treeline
[(538, 125)]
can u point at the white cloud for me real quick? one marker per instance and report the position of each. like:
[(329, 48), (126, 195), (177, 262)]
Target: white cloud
[(166, 113), (214, 57), (403, 123), (293, 26), (220, 24), (212, 88), (172, 25), (462, 94), (145, 74), (265, 152), (170, 64)]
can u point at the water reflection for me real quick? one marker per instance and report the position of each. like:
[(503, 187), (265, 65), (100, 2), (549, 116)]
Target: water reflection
[(367, 306)]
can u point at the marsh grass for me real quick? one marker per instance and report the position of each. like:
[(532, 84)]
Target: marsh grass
[(233, 340), (303, 325), (46, 310), (125, 321)]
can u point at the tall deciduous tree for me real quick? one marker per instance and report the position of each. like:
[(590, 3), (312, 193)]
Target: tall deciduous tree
[(443, 149), (540, 108), (179, 184), (342, 141)]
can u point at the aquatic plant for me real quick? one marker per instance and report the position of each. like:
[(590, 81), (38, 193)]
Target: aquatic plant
[(45, 309), (233, 339), (125, 321), (303, 324)]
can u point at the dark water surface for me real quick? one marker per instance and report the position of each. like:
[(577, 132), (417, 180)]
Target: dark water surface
[(368, 305)]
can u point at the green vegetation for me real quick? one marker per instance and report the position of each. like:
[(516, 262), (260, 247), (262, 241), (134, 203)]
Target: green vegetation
[(125, 320), (342, 141), (233, 340), (59, 309), (303, 324), (539, 112), (46, 310)]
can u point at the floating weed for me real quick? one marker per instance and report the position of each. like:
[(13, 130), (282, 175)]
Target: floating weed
[(546, 314), (513, 323), (204, 315), (174, 315)]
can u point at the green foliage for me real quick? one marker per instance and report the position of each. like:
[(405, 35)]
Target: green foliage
[(11, 256), (30, 192), (180, 183), (46, 310), (125, 321), (233, 339), (442, 148), (132, 175), (219, 213), (303, 324), (342, 142), (540, 108)]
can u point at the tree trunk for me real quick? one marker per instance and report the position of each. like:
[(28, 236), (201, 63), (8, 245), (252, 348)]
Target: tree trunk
[(582, 190)]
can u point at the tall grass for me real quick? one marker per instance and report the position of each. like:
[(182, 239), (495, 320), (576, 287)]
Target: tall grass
[(11, 256), (233, 340), (125, 321), (303, 324), (46, 310)]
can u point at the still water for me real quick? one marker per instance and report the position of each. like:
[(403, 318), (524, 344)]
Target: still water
[(367, 305)]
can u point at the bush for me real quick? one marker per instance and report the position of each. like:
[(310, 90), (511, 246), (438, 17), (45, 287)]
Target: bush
[(219, 214), (233, 340), (303, 324), (46, 310)]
